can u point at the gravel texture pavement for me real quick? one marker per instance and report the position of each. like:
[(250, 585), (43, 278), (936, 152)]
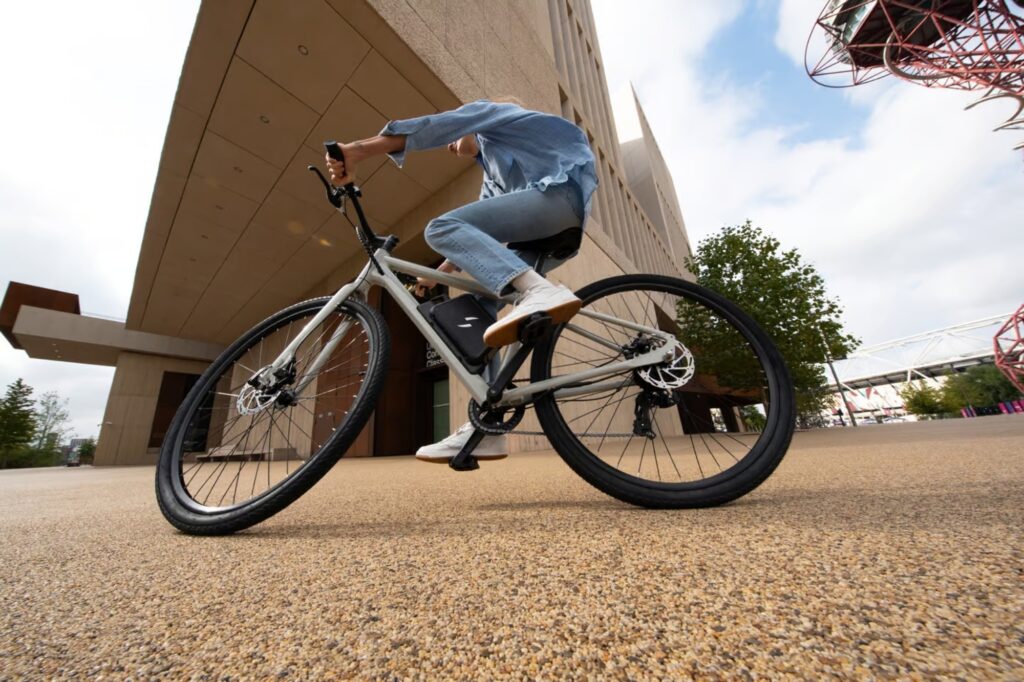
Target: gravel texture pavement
[(889, 551)]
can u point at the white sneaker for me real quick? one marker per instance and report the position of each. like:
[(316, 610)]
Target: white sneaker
[(554, 299), (491, 447)]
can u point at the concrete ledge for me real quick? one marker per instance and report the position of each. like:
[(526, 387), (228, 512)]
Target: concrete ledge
[(54, 335)]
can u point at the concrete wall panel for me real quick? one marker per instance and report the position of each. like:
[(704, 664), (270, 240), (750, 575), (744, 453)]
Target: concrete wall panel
[(128, 418)]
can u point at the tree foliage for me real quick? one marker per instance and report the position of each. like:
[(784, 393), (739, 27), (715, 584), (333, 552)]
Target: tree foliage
[(979, 386), (52, 420), (785, 295), (755, 421), (87, 451), (923, 399), (31, 431), (17, 423)]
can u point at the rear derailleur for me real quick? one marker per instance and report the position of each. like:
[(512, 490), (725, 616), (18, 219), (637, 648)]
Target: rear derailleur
[(647, 401)]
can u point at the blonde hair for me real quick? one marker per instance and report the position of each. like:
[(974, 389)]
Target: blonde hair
[(508, 99)]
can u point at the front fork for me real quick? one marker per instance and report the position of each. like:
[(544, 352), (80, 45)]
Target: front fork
[(282, 371)]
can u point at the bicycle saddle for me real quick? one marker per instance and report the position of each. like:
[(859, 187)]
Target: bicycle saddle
[(560, 246)]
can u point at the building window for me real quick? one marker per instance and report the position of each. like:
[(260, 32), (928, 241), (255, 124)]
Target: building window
[(173, 388), (441, 402)]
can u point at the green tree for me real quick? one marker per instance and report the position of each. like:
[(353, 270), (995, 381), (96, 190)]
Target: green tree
[(979, 386), (923, 399), (755, 421), (87, 451), (17, 424), (52, 426), (785, 295)]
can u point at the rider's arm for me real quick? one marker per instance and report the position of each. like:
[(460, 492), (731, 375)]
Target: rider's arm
[(354, 152), (437, 130), (372, 146), (424, 132)]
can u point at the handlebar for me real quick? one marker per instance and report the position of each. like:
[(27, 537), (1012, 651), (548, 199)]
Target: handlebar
[(337, 196), (334, 151)]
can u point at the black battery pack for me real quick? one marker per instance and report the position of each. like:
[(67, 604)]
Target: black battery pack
[(461, 321)]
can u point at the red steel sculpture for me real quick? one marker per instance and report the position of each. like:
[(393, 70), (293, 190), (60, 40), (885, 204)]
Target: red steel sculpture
[(962, 44), (1009, 347)]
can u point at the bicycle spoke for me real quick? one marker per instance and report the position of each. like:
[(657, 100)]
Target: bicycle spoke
[(707, 416), (610, 422), (630, 440), (244, 439), (581, 416), (710, 452), (643, 450), (668, 450)]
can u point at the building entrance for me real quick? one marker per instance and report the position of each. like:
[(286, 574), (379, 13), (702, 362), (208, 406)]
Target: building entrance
[(413, 406)]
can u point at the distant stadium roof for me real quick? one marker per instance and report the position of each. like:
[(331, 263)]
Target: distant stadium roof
[(929, 354)]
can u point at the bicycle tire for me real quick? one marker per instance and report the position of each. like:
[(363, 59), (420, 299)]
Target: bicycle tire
[(175, 504), (728, 485)]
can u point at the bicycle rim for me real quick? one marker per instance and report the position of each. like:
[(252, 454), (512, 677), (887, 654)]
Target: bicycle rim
[(697, 420), (236, 445)]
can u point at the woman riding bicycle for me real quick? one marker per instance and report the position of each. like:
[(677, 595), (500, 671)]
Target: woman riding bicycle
[(539, 176)]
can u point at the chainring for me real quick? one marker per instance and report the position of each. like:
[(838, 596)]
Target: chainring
[(492, 420)]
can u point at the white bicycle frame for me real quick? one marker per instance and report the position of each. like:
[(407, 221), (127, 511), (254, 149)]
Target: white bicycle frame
[(575, 384)]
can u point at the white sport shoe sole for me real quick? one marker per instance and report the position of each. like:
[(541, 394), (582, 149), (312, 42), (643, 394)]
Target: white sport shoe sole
[(491, 447), (506, 330), (444, 459)]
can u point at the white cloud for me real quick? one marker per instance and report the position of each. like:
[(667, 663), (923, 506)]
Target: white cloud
[(902, 214), (85, 386), (796, 17), (88, 93)]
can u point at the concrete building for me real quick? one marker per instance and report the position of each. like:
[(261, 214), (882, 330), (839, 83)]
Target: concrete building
[(238, 229)]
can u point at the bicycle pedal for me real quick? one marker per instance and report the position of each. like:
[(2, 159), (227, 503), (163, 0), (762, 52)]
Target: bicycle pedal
[(534, 327), (465, 461), (469, 463)]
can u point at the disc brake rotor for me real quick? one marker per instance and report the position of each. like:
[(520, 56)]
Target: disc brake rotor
[(676, 371), (252, 400)]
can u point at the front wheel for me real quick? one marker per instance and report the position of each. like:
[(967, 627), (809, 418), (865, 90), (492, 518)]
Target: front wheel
[(705, 425), (235, 455)]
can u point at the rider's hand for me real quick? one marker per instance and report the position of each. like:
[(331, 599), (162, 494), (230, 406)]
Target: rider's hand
[(342, 171), (424, 284), (464, 146)]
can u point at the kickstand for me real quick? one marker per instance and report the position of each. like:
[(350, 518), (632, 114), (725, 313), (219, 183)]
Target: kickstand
[(465, 461)]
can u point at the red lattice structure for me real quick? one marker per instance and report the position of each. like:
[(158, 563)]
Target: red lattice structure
[(1009, 349), (961, 44)]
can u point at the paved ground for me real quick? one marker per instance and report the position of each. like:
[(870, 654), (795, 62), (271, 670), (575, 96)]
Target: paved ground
[(888, 551)]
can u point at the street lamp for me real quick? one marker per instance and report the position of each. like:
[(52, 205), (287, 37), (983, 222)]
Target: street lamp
[(842, 393)]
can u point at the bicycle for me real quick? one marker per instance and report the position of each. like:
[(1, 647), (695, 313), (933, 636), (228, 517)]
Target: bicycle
[(291, 394)]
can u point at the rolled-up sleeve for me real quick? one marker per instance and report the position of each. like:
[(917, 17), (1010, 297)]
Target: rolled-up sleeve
[(437, 130), (486, 191)]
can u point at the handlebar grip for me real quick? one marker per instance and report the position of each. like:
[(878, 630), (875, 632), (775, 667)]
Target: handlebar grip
[(334, 150)]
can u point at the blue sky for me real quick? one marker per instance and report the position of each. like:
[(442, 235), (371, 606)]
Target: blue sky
[(897, 195), (744, 54)]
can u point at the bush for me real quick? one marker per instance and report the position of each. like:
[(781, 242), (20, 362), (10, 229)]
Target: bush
[(924, 400), (979, 386)]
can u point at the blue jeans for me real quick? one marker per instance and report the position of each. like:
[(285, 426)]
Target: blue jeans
[(474, 235)]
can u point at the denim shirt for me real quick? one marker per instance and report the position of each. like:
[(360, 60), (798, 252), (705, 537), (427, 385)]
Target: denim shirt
[(519, 148)]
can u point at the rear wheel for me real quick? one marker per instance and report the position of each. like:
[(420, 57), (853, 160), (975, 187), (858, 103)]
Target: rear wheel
[(235, 455), (702, 427)]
